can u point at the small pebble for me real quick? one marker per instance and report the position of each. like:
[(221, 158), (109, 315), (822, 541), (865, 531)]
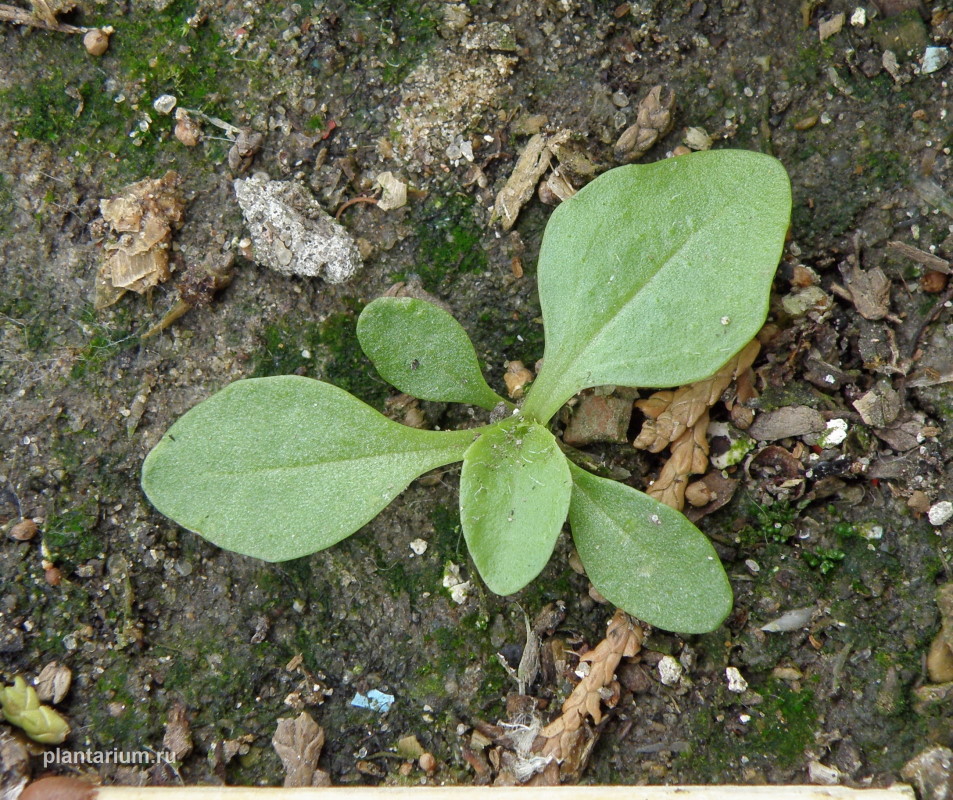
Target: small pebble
[(52, 576), (428, 763), (736, 683), (934, 59), (186, 130), (669, 670), (164, 103), (24, 530), (940, 513)]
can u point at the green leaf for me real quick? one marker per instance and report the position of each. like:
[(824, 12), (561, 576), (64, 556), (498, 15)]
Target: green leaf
[(514, 495), (657, 274), (422, 350), (280, 467), (647, 558)]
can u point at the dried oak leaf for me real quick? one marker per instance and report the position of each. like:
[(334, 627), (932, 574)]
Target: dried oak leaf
[(298, 743), (868, 290), (671, 412), (568, 739)]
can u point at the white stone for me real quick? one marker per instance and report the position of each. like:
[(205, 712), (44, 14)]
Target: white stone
[(934, 59), (940, 513), (835, 434), (164, 103), (859, 18), (292, 234), (419, 546), (736, 683), (669, 670)]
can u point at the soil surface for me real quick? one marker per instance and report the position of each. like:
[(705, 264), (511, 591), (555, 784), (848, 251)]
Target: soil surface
[(174, 644)]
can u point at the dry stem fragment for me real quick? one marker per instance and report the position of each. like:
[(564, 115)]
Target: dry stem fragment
[(562, 736), (689, 457)]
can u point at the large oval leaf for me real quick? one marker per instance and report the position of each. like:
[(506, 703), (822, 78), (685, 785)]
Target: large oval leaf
[(423, 351), (646, 557), (656, 274), (514, 494), (280, 467)]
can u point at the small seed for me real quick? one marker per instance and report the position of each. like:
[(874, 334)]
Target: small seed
[(24, 530), (427, 763), (933, 282), (96, 42), (52, 576)]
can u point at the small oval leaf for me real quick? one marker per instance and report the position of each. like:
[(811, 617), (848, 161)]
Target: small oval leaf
[(419, 348), (281, 467), (514, 494), (657, 274), (646, 557)]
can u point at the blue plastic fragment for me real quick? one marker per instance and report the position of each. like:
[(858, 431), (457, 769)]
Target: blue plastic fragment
[(375, 701)]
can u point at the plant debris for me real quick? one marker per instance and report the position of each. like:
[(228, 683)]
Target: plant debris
[(178, 733), (679, 419), (139, 223), (298, 743), (654, 120)]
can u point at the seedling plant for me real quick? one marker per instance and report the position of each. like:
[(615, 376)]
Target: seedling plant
[(650, 276)]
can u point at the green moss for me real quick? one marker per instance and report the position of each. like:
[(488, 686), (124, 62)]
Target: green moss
[(449, 239), (71, 535), (772, 523), (118, 716), (327, 350), (447, 542), (398, 33), (68, 103)]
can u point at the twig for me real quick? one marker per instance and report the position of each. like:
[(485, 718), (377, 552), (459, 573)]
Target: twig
[(354, 201), (21, 17)]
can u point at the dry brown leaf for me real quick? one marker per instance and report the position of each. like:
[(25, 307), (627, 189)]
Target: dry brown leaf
[(530, 167), (689, 457), (868, 290), (298, 743), (178, 734), (563, 738), (671, 413)]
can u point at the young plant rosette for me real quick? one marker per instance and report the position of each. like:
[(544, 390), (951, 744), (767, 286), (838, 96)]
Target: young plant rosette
[(650, 276)]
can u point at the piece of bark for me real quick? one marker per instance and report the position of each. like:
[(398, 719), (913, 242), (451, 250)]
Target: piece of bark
[(787, 422)]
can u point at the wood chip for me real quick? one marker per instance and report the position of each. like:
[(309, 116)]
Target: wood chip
[(787, 422), (928, 260)]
